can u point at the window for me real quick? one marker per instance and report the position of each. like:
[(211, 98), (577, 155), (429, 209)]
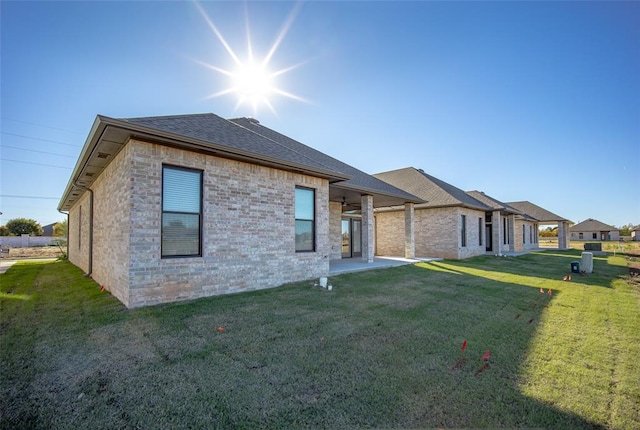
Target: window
[(505, 229), (524, 232), (181, 212), (305, 214), (480, 231), (530, 234), (463, 224), (595, 235)]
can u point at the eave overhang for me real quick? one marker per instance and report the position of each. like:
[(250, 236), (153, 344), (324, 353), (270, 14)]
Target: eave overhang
[(109, 135)]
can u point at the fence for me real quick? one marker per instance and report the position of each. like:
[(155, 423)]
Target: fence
[(26, 241)]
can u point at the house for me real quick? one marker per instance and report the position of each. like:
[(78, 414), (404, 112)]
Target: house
[(507, 228), (592, 229), (635, 232), (450, 224), (545, 217), (48, 230), (178, 207)]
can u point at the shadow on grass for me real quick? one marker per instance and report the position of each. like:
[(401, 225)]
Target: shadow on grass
[(553, 266), (381, 350)]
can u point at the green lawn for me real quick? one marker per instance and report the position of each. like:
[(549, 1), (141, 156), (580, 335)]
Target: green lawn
[(383, 349)]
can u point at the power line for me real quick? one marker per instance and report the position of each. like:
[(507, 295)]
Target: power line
[(29, 197), (35, 164), (41, 125), (39, 138), (39, 152)]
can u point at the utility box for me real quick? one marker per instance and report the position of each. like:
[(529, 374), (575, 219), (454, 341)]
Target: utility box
[(587, 262), (575, 267), (593, 247)]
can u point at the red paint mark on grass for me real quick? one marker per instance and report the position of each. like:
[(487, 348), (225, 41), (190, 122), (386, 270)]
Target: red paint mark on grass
[(221, 329), (464, 345), (486, 355), (101, 287)]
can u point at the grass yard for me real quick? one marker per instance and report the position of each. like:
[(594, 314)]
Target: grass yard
[(383, 349)]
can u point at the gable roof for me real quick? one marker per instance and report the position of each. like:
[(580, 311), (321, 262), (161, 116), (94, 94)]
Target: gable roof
[(537, 212), (436, 192), (591, 224), (210, 134)]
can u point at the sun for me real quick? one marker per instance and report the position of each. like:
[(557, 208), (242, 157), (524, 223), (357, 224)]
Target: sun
[(251, 80)]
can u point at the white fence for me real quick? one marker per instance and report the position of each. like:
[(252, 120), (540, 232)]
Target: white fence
[(26, 241)]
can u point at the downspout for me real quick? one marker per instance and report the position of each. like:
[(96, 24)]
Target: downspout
[(67, 215), (90, 269)]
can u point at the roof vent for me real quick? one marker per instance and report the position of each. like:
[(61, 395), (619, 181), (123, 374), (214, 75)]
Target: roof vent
[(420, 170), (103, 155), (88, 174), (253, 121)]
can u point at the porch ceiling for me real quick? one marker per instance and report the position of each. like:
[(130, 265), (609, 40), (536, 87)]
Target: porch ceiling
[(352, 196)]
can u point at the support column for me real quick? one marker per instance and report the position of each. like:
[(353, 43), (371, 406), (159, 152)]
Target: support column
[(511, 224), (496, 233), (367, 228), (409, 234), (563, 235)]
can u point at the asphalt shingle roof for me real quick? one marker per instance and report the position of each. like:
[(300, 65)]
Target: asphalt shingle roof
[(536, 212), (493, 203), (250, 136), (436, 192), (591, 224), (211, 128), (359, 179)]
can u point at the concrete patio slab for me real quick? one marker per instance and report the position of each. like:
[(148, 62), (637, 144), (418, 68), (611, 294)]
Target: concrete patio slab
[(348, 265)]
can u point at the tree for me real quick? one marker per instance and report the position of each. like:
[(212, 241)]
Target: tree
[(19, 226), (60, 228), (625, 230), (4, 231)]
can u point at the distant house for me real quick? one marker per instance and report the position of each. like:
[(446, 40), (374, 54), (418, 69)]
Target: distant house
[(48, 230), (451, 224), (592, 229), (178, 207), (635, 232)]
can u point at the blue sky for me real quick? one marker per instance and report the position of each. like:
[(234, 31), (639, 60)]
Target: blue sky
[(535, 101)]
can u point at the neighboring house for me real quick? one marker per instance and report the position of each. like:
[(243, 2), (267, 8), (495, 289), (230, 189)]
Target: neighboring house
[(592, 229), (451, 224), (507, 228), (545, 217), (178, 207), (47, 230), (635, 232)]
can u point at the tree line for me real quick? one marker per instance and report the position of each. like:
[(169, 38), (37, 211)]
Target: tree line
[(20, 226)]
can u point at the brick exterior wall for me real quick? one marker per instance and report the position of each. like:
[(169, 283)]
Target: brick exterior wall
[(78, 232), (530, 239), (248, 228), (389, 233), (437, 232), (335, 230), (113, 207)]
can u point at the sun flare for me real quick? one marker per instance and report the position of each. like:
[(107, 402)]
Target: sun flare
[(251, 81)]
